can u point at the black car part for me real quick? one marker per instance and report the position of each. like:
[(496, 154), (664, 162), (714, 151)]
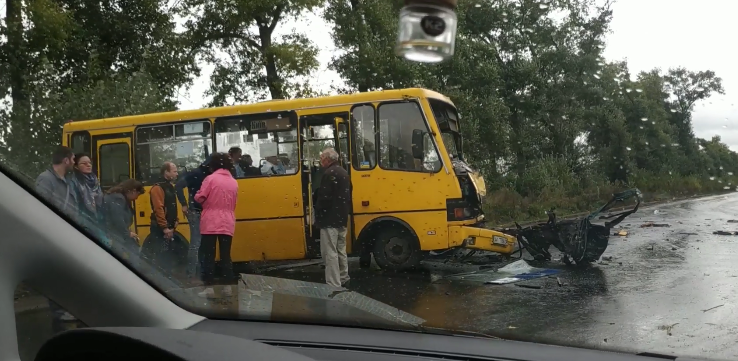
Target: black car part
[(578, 239)]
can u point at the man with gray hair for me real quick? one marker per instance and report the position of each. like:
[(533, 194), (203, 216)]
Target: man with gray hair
[(332, 205)]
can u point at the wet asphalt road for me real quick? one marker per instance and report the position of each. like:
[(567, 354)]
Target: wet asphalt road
[(664, 291)]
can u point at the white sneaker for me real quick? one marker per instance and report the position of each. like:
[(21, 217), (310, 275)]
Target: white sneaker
[(208, 292), (227, 291)]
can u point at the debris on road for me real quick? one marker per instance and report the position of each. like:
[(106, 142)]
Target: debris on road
[(725, 233), (712, 308), (535, 287), (580, 241), (607, 258), (652, 224), (650, 248), (668, 328), (621, 233), (512, 273)]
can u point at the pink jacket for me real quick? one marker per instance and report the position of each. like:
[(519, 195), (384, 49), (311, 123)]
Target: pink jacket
[(218, 195)]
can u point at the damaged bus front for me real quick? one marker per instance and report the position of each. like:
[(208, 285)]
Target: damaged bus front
[(465, 214)]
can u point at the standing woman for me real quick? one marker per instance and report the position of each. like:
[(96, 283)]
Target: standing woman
[(119, 216), (90, 195), (217, 195)]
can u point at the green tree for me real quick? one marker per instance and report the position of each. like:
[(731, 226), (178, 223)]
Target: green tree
[(239, 39)]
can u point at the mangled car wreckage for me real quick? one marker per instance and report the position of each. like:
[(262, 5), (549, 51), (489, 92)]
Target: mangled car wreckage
[(580, 241)]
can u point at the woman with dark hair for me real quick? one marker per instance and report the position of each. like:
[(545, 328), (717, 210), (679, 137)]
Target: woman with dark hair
[(217, 195), (89, 194), (119, 213)]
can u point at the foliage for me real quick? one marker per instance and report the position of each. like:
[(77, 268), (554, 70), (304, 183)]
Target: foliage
[(546, 118), (239, 39)]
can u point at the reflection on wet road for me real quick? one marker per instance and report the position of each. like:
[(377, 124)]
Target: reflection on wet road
[(656, 294), (667, 290)]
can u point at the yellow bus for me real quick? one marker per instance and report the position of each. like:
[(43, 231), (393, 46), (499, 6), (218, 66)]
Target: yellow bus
[(412, 191)]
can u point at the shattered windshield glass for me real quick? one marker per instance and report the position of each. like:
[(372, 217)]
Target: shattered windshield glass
[(568, 176)]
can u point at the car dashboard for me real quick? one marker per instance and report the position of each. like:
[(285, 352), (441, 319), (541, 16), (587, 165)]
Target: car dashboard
[(246, 340)]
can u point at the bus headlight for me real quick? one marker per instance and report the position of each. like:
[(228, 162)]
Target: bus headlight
[(499, 240)]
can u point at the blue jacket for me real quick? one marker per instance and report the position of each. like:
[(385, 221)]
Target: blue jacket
[(192, 180)]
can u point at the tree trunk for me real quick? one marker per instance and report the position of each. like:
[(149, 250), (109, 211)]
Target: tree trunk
[(274, 83), (16, 55)]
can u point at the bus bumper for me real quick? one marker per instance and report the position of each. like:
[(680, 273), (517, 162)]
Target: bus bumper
[(481, 239)]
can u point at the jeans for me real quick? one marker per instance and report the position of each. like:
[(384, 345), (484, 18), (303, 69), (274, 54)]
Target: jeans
[(333, 251), (207, 252), (194, 262)]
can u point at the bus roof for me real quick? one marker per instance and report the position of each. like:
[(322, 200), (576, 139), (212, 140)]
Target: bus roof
[(265, 106)]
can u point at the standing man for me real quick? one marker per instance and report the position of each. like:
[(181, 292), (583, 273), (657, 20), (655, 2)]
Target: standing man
[(192, 210), (164, 209), (331, 216), (56, 186), (247, 164), (235, 154)]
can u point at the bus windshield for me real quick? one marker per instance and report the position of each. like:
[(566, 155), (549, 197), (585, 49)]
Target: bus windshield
[(452, 141), (448, 123)]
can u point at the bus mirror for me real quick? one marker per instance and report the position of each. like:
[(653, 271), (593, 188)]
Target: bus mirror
[(418, 149)]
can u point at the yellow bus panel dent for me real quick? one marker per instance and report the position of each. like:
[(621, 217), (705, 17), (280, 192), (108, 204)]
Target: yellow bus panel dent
[(482, 239)]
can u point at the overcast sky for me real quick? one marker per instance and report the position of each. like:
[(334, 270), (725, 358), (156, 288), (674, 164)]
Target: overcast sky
[(648, 33)]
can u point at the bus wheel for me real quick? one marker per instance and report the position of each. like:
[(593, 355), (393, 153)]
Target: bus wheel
[(365, 260), (171, 259), (396, 249)]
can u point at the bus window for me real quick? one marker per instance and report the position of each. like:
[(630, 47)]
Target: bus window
[(448, 123), (81, 143), (269, 139), (114, 164), (362, 124), (184, 144), (396, 124)]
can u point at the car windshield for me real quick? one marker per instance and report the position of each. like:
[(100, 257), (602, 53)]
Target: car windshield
[(568, 176)]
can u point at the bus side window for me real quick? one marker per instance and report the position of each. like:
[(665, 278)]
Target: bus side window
[(81, 143), (184, 144), (397, 121), (269, 139), (363, 135), (114, 164)]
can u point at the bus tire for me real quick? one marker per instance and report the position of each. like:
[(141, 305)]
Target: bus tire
[(365, 260), (396, 249), (171, 262)]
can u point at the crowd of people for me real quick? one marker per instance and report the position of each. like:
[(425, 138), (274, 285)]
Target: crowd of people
[(70, 185)]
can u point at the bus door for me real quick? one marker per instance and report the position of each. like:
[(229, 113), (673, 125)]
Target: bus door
[(111, 157), (112, 160), (318, 132), (344, 153)]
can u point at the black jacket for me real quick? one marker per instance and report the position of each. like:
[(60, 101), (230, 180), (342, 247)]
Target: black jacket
[(192, 180), (118, 216), (333, 198)]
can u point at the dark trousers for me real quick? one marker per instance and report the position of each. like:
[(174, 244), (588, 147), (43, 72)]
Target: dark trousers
[(164, 257), (207, 254)]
